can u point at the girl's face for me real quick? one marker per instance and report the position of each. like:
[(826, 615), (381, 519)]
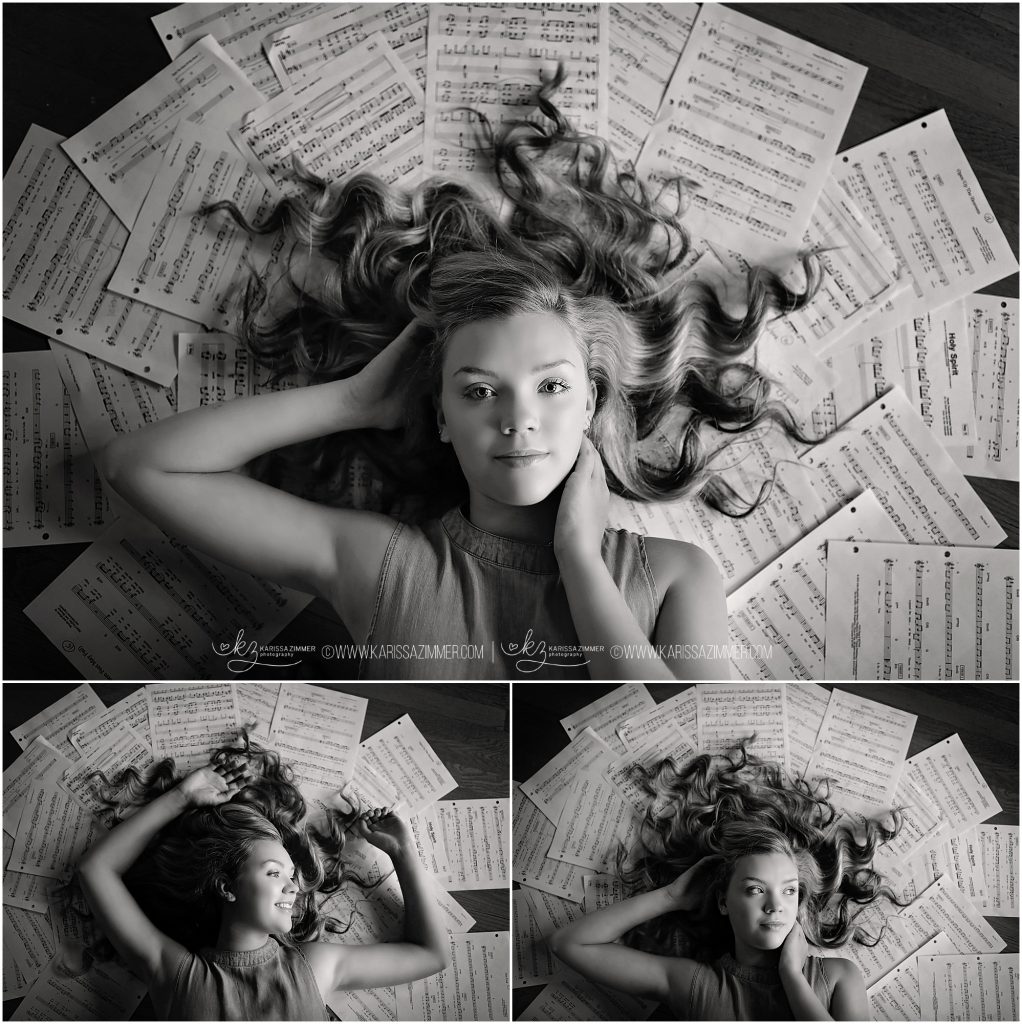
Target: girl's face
[(514, 402), (761, 900), (265, 889)]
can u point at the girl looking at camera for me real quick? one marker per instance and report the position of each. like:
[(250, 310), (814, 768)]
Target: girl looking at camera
[(209, 893), (493, 376), (736, 872)]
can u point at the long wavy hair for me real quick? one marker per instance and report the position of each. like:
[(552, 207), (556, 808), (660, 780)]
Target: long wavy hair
[(730, 806), (577, 238), (175, 880)]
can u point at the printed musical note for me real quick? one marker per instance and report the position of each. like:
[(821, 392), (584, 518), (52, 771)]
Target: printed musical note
[(532, 833), (732, 711), (603, 716)]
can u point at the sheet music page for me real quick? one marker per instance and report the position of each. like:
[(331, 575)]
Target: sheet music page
[(107, 400), (56, 722), (533, 963), (861, 273), (28, 892), (999, 851), (366, 1004), (476, 986), (571, 997), (549, 787), (551, 912), (948, 776), (861, 748), (993, 343), (61, 244), (594, 820), (645, 43), (240, 29), (603, 716), (494, 59), (41, 760), (362, 112), (54, 832), (256, 705), (181, 260), (402, 757), (429, 841), (962, 858), (155, 609), (105, 992), (919, 193), (752, 117), (300, 51), (972, 988), (132, 711), (476, 838), (738, 546), (805, 709), (15, 982), (779, 618), (921, 612), (122, 748), (668, 741), (731, 711), (888, 449), (53, 493), (923, 825), (532, 833), (120, 151), (896, 995), (601, 891), (29, 938), (215, 368), (190, 720), (679, 710), (317, 731)]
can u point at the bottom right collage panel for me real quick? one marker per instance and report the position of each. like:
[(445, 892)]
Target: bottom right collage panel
[(765, 851)]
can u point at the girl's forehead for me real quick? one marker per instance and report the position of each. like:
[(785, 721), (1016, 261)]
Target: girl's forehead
[(765, 866), (268, 849), (513, 344)]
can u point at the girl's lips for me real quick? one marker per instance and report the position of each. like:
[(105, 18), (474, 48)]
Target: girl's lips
[(773, 925), (520, 461)]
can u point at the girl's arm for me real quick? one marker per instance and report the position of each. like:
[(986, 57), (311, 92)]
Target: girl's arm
[(589, 944), (424, 949), (848, 1001), (182, 473), (101, 870), (692, 613)]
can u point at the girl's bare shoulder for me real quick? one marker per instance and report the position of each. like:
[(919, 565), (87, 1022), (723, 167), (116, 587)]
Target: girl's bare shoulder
[(672, 561)]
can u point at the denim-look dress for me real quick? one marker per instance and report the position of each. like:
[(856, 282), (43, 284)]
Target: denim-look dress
[(456, 602), (274, 982)]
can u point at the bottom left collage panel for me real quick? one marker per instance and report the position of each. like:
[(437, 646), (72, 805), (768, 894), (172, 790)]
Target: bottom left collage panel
[(238, 851)]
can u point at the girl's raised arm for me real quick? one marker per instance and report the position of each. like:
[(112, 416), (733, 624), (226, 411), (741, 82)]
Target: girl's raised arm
[(425, 948), (101, 870), (589, 944), (182, 473)]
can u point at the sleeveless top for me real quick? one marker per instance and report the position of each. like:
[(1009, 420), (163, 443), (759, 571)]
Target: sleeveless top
[(456, 602), (274, 982), (728, 990)]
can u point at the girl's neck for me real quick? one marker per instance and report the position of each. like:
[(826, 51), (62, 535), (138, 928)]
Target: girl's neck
[(749, 956), (240, 938), (531, 524)]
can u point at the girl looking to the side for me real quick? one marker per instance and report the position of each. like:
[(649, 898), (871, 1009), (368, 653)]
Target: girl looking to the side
[(736, 868), (533, 353), (209, 893)]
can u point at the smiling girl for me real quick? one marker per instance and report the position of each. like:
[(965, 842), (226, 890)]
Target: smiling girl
[(533, 353), (736, 869), (209, 893)]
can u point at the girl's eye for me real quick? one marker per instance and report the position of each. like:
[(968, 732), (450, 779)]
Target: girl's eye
[(753, 889), (554, 387), (479, 391)]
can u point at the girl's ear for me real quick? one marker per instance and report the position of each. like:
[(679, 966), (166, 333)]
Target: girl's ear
[(441, 425), (591, 400), (222, 890)]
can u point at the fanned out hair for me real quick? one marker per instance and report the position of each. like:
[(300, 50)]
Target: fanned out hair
[(578, 238), (175, 879), (729, 806)]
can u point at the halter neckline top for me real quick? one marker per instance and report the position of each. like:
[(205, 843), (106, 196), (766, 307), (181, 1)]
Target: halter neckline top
[(505, 551)]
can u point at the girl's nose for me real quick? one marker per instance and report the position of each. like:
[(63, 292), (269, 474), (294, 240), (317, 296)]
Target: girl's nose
[(518, 417)]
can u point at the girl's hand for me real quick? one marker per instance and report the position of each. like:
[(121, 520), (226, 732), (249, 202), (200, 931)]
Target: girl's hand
[(585, 502), (215, 783), (684, 895), (379, 390), (386, 831), (794, 950)]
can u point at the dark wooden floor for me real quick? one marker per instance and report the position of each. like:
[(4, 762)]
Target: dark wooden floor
[(985, 715), (466, 724), (64, 64)]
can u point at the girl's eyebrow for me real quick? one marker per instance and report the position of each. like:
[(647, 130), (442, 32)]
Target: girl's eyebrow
[(478, 371), (750, 878), (280, 862)]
